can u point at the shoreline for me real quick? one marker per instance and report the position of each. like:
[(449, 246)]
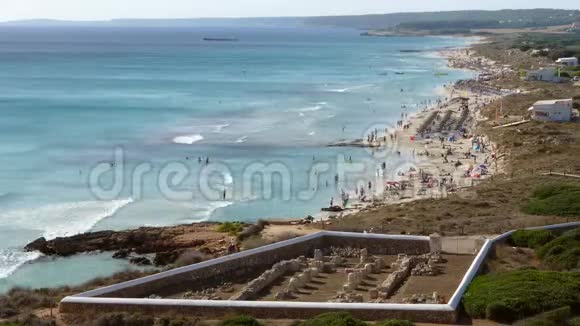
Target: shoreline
[(430, 165), (432, 161)]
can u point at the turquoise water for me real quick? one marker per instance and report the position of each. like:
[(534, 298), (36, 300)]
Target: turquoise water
[(69, 97)]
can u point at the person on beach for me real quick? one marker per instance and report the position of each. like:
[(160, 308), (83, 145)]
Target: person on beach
[(331, 202)]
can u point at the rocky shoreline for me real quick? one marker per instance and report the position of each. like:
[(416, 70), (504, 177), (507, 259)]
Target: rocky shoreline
[(158, 246)]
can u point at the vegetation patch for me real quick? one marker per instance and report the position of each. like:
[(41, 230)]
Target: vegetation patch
[(555, 199), (232, 228), (334, 319), (531, 238), (396, 322), (252, 230), (562, 253), (556, 317), (514, 295), (558, 45), (240, 321)]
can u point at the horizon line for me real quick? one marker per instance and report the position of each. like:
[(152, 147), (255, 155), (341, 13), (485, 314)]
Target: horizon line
[(109, 20)]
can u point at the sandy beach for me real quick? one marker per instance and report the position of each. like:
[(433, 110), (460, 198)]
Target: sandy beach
[(447, 153)]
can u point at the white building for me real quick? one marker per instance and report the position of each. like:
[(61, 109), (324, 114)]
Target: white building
[(544, 74), (552, 110), (570, 62)]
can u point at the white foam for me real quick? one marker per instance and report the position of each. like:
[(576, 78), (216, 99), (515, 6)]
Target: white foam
[(212, 207), (348, 89), (63, 219), (241, 139), (219, 128), (11, 260), (55, 220), (313, 108), (312, 133), (228, 179), (338, 90), (188, 139)]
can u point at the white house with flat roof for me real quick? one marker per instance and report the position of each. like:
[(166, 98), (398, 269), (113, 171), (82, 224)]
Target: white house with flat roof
[(552, 110), (570, 62), (543, 74)]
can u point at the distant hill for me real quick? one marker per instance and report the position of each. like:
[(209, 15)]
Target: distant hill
[(520, 18), (413, 20)]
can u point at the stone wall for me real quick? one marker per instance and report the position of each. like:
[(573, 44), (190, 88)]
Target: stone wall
[(379, 245), (283, 311), (251, 290), (259, 260), (212, 273), (249, 265)]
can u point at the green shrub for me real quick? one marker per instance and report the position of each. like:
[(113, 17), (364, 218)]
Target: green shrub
[(252, 230), (240, 321), (554, 317), (176, 321), (232, 228), (562, 253), (574, 321), (7, 308), (556, 250), (396, 322), (30, 320), (500, 312), (555, 199), (334, 319), (123, 319), (531, 238), (523, 292)]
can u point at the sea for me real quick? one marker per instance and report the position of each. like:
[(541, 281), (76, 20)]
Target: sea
[(110, 128)]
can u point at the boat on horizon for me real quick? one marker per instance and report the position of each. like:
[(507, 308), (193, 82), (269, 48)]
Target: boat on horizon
[(220, 39)]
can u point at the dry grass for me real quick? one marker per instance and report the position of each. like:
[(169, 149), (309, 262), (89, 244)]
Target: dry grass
[(509, 258)]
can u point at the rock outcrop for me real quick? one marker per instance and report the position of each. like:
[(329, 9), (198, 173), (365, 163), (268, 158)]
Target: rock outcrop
[(166, 242)]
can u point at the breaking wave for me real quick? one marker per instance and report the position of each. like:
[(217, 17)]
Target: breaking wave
[(54, 220), (187, 139)]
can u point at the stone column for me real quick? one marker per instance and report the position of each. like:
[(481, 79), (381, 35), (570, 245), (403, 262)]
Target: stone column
[(435, 243), (351, 278), (294, 285), (318, 255), (369, 268), (364, 253)]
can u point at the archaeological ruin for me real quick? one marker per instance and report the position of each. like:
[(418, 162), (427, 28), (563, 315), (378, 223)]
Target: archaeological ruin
[(372, 276)]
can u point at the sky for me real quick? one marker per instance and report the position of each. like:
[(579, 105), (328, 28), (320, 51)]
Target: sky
[(109, 9)]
